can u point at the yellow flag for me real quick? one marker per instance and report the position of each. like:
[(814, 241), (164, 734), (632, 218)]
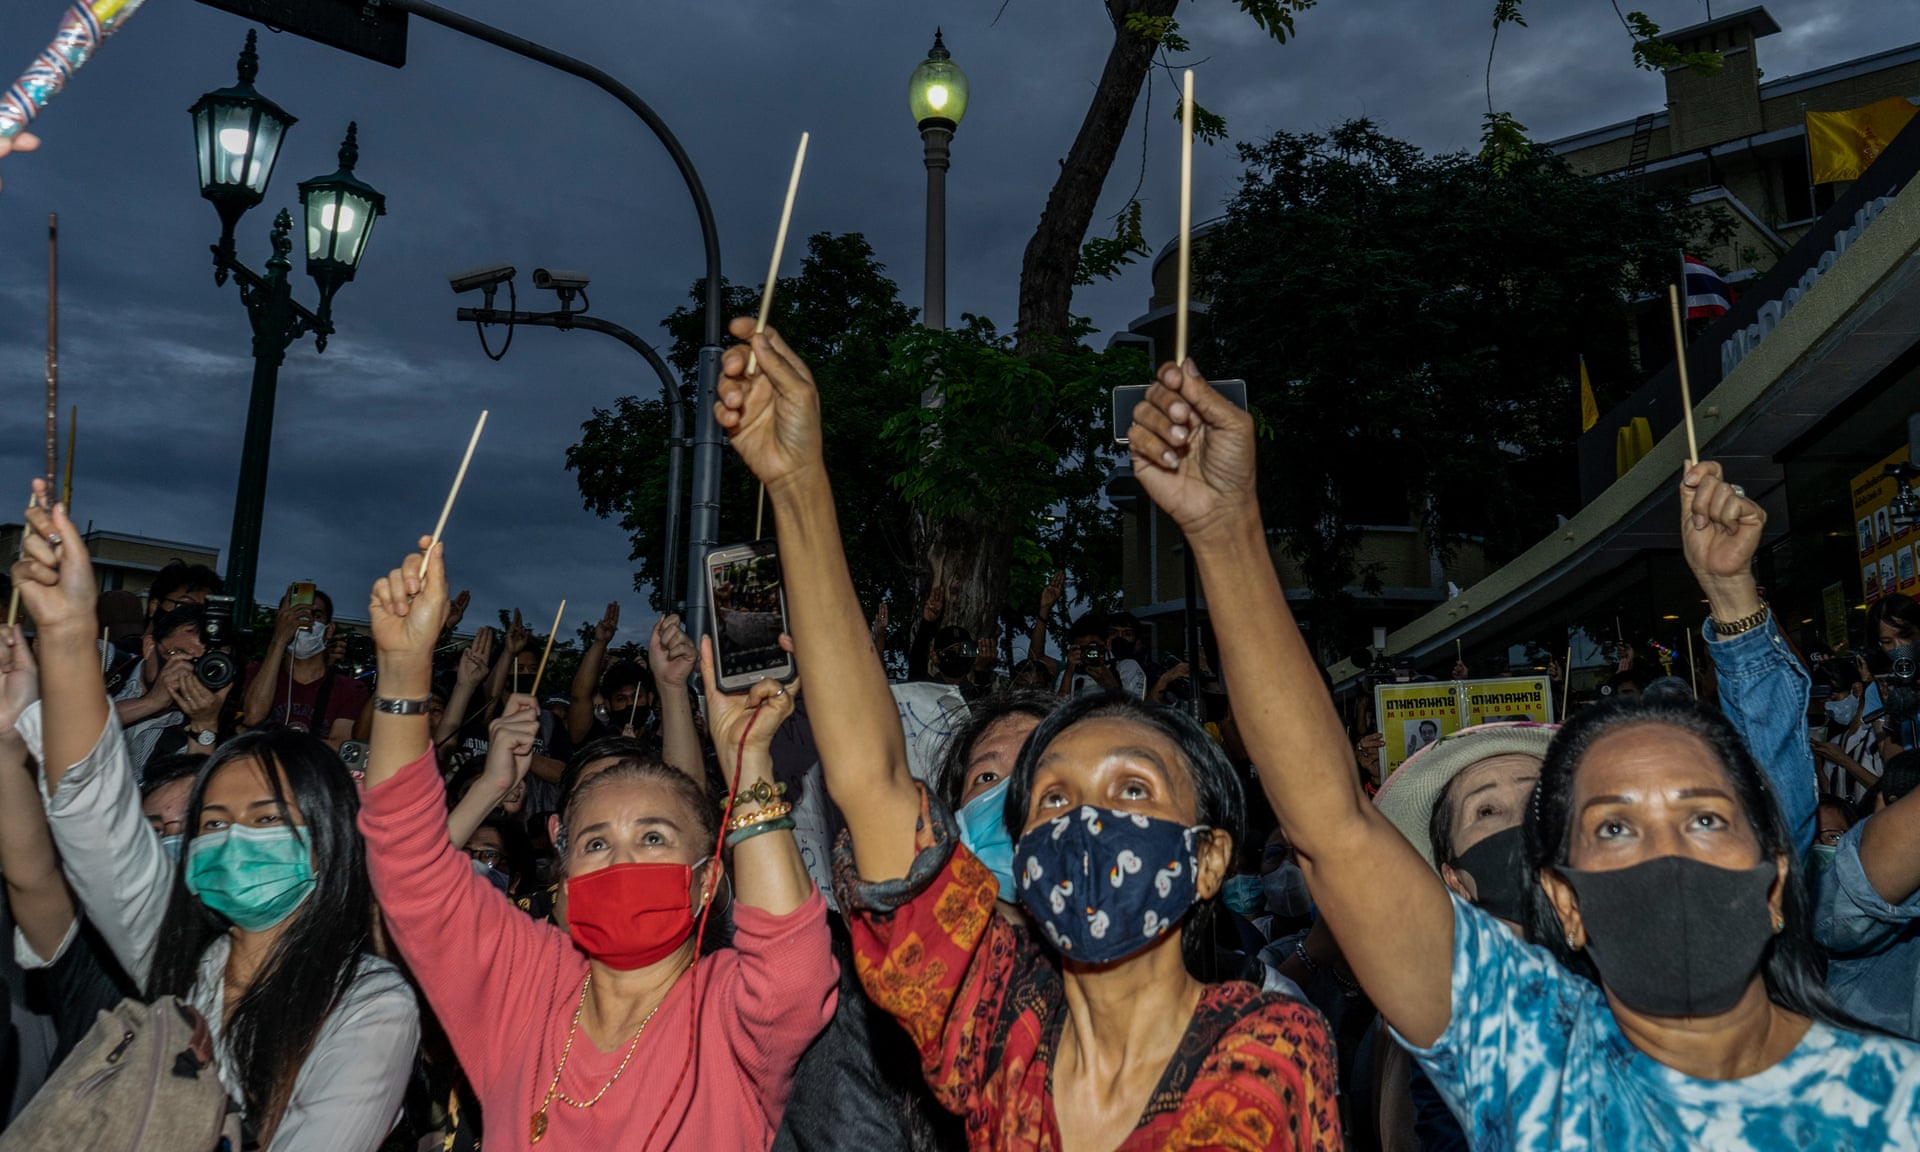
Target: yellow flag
[(1589, 408), (1845, 144)]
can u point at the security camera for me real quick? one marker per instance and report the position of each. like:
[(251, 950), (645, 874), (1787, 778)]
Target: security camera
[(559, 281), (486, 277)]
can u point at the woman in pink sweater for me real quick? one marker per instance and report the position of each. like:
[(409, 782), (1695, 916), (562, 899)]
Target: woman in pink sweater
[(612, 1033)]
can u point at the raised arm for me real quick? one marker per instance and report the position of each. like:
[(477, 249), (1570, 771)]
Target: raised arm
[(1193, 452), (587, 676), (509, 754), (1049, 596), (767, 870), (405, 608), (37, 893), (920, 645), (1763, 687), (256, 704), (670, 657), (773, 418), (468, 675), (515, 642), (55, 577)]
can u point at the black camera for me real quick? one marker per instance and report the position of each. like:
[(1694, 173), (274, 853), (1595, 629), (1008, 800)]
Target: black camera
[(1093, 655), (215, 669)]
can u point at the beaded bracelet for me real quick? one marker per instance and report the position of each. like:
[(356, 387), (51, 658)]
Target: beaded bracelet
[(778, 824), (761, 792), (759, 816)]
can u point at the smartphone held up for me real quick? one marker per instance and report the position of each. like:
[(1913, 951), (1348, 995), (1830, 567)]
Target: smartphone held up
[(749, 615)]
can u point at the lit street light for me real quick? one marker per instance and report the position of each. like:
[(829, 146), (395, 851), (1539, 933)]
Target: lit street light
[(937, 94), (237, 134)]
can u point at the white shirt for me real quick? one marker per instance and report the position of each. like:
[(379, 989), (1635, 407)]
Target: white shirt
[(350, 1087)]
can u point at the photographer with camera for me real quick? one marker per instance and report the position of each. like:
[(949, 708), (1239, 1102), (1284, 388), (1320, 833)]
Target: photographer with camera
[(180, 688), (293, 686), (1088, 666), (948, 655)]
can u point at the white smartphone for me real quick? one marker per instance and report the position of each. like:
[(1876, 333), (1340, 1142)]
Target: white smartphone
[(749, 614)]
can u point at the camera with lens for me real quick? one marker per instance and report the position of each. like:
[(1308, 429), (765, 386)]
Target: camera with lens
[(1093, 655), (216, 669), (1898, 670)]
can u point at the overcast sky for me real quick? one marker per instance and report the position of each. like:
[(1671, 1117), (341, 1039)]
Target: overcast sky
[(487, 157)]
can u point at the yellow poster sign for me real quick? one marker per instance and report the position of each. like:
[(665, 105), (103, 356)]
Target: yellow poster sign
[(1880, 542), (1491, 701), (1413, 716)]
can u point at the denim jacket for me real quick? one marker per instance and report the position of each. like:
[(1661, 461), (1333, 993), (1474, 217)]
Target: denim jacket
[(1874, 970), (1764, 692)]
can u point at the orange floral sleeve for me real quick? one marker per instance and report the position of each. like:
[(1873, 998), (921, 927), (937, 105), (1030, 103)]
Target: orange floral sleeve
[(932, 952)]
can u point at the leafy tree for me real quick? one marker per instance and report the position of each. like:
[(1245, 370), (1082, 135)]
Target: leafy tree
[(1006, 463), (1143, 32), (1410, 326), (842, 313)]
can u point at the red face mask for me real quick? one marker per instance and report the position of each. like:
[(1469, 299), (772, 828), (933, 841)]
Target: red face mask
[(628, 916)]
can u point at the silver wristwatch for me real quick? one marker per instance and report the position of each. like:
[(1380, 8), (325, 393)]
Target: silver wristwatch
[(206, 738)]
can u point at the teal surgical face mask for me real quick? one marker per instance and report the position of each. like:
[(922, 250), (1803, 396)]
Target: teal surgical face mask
[(983, 829), (255, 877)]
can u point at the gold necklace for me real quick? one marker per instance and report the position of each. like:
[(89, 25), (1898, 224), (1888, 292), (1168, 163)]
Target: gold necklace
[(538, 1129)]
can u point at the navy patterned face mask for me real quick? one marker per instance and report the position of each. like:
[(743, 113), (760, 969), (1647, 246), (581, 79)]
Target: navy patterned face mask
[(1103, 884)]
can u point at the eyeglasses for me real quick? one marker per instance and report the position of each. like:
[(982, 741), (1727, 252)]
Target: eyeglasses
[(170, 653), (491, 857), (1830, 836)]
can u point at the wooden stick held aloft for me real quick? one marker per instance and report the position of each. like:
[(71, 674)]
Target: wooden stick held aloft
[(459, 478), (53, 349), (554, 631), (1186, 218), (1680, 362), (1566, 685), (779, 248), (66, 483)]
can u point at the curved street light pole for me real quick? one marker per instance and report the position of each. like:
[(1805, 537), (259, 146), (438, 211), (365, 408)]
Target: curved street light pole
[(673, 593), (704, 518)]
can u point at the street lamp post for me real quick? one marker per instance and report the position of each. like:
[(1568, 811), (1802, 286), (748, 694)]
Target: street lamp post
[(937, 94), (237, 133)]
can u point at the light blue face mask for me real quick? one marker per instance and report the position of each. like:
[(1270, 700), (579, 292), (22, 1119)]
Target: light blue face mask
[(255, 877), (1245, 895), (983, 829), (1841, 710), (171, 846)]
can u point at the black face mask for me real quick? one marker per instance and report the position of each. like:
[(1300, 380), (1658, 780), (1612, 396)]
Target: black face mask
[(1121, 648), (1675, 937), (1499, 877)]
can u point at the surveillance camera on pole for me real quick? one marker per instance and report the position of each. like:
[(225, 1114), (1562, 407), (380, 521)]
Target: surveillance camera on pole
[(487, 278)]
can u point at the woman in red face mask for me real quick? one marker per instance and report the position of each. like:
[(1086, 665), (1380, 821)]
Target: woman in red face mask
[(613, 1032)]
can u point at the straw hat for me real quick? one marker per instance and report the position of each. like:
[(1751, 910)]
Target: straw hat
[(1408, 796)]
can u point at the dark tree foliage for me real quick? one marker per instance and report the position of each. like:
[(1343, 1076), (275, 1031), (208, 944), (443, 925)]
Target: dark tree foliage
[(1411, 327), (842, 314)]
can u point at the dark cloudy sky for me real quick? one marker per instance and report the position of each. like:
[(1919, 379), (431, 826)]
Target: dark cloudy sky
[(486, 157)]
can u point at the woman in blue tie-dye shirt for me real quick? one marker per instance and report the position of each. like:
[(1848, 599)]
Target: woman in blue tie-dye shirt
[(1678, 999)]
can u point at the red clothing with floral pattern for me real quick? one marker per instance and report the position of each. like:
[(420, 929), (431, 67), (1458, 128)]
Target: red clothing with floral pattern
[(985, 1003)]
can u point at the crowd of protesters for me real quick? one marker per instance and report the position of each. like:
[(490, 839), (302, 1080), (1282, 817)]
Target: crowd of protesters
[(1105, 902)]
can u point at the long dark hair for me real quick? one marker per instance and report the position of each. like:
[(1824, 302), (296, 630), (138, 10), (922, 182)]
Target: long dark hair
[(1897, 609), (1220, 801), (1795, 969), (950, 774), (268, 1034)]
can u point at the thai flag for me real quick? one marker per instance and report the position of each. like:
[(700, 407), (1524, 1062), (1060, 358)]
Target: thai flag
[(1707, 294)]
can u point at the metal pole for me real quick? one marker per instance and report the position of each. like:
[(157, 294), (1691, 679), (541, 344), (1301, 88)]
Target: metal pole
[(269, 311), (672, 590), (936, 137), (703, 528)]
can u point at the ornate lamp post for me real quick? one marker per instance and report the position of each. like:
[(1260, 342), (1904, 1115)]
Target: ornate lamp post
[(937, 94), (237, 133)]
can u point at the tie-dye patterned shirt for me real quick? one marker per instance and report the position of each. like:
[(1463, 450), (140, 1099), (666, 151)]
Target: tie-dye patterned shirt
[(1532, 1059)]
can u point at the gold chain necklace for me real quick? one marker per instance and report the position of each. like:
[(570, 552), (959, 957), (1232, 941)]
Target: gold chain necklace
[(538, 1129)]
